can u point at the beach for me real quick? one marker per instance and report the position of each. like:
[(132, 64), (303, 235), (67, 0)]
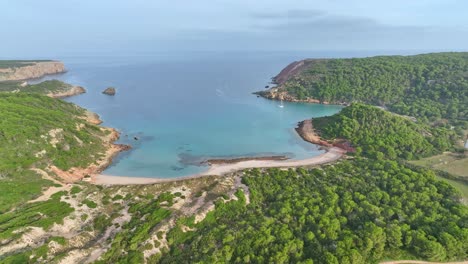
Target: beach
[(331, 155)]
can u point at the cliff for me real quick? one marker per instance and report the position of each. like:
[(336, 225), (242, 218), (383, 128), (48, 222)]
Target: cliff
[(31, 70)]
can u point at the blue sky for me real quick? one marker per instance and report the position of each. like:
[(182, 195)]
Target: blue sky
[(58, 27)]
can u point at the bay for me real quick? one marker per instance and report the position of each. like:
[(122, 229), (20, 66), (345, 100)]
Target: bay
[(178, 109)]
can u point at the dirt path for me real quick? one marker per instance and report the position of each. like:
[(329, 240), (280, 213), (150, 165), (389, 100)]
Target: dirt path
[(51, 190)]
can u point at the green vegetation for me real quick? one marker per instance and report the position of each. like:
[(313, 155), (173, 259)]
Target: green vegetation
[(453, 163), (75, 190), (18, 63), (45, 87), (39, 214), (29, 256), (36, 131), (90, 203), (10, 86), (379, 133), (128, 246), (429, 86), (451, 168), (372, 207), (359, 211), (459, 185)]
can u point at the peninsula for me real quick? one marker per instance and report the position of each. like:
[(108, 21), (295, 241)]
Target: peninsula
[(17, 70)]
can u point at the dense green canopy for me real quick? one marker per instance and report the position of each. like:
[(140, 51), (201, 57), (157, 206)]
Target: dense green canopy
[(428, 86), (358, 211), (380, 133)]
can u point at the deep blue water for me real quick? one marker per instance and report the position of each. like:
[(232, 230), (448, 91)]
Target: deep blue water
[(185, 108)]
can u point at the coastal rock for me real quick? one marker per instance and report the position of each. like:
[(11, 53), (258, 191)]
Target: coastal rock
[(36, 70), (109, 91), (74, 90)]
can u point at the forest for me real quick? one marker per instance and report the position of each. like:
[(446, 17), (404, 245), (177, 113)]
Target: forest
[(432, 87), (379, 133), (359, 211)]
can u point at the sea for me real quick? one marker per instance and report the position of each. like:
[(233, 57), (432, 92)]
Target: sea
[(177, 110)]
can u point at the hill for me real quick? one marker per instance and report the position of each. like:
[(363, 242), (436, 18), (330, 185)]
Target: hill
[(431, 87), (40, 132), (379, 133)]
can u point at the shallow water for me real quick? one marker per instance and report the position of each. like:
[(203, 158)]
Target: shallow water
[(186, 108)]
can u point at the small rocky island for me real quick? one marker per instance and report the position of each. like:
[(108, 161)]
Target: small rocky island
[(109, 91)]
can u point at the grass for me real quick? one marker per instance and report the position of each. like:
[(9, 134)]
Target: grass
[(19, 187), (456, 164), (452, 163)]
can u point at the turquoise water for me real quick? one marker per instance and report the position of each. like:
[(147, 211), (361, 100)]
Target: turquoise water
[(185, 108)]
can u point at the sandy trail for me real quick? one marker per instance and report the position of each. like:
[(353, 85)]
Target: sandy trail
[(331, 155), (51, 190)]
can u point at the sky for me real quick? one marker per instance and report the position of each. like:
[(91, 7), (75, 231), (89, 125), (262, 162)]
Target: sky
[(57, 27)]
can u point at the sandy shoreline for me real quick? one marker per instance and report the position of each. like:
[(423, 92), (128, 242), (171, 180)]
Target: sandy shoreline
[(331, 155)]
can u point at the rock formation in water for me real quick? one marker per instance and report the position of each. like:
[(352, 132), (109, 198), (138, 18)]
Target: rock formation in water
[(31, 70), (109, 91)]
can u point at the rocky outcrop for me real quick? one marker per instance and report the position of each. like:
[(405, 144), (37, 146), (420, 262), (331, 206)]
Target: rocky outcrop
[(306, 131), (36, 70), (109, 91), (74, 90), (290, 70), (279, 94)]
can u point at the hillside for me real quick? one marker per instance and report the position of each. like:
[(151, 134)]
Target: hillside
[(379, 133), (359, 211), (38, 132), (430, 86)]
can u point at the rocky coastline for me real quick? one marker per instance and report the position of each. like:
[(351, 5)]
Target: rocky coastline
[(43, 68), (276, 93), (34, 71), (74, 90), (112, 150), (306, 131), (279, 93)]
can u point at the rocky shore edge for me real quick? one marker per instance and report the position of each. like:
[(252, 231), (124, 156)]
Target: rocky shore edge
[(306, 131), (74, 90), (275, 93), (112, 150)]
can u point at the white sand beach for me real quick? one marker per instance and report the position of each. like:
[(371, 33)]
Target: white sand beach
[(332, 154)]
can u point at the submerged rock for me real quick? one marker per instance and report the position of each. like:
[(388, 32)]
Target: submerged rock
[(109, 91)]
